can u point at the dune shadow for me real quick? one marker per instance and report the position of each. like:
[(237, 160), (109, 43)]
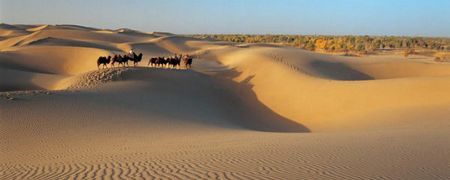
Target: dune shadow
[(192, 97), (338, 71), (51, 41), (252, 112), (16, 80)]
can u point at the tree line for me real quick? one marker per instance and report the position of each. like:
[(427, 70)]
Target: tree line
[(364, 44)]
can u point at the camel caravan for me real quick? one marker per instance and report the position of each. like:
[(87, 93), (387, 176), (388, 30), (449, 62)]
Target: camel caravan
[(172, 62), (162, 62), (121, 60)]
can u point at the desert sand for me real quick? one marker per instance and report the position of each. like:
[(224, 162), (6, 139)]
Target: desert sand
[(250, 111)]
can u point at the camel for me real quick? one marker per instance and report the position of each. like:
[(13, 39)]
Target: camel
[(158, 61), (102, 60), (136, 58), (120, 59), (187, 61), (152, 61), (174, 61)]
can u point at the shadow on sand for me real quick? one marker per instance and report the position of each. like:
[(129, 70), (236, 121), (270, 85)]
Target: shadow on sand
[(338, 71), (193, 97), (254, 114)]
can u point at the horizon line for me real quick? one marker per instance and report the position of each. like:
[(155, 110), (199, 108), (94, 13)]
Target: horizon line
[(270, 34)]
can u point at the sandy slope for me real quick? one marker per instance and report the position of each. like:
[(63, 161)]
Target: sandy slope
[(243, 112), (303, 87)]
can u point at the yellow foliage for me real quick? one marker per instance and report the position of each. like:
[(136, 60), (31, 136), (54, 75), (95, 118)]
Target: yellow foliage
[(321, 43)]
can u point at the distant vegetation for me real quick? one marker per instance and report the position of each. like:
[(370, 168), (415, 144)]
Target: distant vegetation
[(344, 44)]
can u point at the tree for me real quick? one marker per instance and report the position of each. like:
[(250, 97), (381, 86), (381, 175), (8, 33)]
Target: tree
[(360, 47), (321, 44), (310, 46)]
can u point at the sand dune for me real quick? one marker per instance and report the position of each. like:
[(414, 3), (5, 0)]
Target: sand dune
[(176, 44), (338, 102), (83, 34), (26, 80), (148, 48), (55, 59), (243, 111), (49, 41)]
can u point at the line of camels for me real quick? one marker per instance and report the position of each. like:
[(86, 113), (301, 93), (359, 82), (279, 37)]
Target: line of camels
[(161, 61)]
